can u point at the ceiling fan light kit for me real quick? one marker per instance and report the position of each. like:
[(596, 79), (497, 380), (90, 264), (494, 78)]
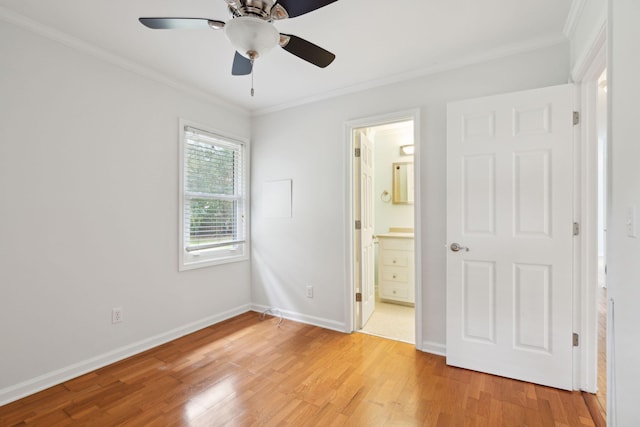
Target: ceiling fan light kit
[(252, 33), (251, 37)]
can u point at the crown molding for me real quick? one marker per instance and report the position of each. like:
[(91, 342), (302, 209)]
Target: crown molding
[(577, 6), (131, 66), (595, 53), (489, 55), (106, 56)]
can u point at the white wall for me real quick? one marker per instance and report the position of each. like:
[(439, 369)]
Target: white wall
[(623, 252), (387, 151), (89, 214), (307, 144)]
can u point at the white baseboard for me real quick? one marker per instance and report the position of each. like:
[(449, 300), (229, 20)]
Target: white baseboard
[(427, 346), (434, 348), (34, 385), (302, 318)]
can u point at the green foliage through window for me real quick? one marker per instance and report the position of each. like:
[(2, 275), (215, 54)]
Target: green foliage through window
[(210, 169), (212, 190)]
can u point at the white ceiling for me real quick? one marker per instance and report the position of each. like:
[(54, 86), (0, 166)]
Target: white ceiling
[(375, 41)]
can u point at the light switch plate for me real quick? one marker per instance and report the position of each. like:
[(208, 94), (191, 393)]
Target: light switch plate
[(630, 221)]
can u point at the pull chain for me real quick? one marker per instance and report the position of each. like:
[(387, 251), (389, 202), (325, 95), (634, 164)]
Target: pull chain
[(252, 91)]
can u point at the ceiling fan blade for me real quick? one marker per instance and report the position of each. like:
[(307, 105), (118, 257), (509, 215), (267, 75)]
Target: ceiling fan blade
[(241, 65), (307, 50), (181, 23), (300, 7)]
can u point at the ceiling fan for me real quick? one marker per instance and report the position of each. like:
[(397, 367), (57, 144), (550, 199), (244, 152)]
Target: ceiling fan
[(252, 33)]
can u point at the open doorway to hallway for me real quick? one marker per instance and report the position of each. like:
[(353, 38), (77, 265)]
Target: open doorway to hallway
[(385, 196), (601, 118)]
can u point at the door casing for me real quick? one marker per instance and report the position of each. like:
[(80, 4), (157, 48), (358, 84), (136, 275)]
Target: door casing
[(586, 75)]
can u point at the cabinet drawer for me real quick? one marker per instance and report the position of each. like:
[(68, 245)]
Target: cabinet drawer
[(396, 244), (395, 275), (395, 259), (394, 292)]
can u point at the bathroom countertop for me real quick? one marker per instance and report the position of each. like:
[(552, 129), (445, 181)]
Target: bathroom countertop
[(396, 235)]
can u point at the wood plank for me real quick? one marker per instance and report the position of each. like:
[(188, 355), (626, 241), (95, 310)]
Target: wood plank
[(593, 404), (245, 372)]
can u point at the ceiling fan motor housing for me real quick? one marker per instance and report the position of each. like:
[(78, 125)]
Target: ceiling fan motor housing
[(264, 9)]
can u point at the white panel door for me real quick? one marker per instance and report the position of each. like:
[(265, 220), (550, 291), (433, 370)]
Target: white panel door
[(509, 202), (367, 274)]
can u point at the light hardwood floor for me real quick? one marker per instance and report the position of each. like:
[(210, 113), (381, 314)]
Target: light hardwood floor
[(602, 337), (602, 349), (247, 372)]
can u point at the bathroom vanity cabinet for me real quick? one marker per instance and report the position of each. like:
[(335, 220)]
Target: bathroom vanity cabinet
[(396, 267)]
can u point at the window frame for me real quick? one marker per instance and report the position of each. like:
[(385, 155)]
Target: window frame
[(189, 260)]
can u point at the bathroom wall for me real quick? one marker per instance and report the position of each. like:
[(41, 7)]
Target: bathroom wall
[(387, 142)]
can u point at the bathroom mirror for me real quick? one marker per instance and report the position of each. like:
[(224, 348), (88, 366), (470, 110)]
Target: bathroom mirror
[(403, 183)]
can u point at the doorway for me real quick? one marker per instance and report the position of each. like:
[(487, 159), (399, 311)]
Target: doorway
[(383, 205), (601, 298)]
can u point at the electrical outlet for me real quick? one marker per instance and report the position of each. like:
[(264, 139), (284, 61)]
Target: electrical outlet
[(309, 291), (116, 315)]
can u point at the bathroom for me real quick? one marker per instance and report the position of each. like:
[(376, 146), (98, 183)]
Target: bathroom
[(393, 195)]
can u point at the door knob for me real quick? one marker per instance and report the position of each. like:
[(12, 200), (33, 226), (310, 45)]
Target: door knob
[(455, 247)]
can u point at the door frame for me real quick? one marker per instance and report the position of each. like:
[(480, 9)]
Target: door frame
[(350, 244), (586, 74)]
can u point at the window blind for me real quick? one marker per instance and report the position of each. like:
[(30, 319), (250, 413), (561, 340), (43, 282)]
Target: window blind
[(213, 192)]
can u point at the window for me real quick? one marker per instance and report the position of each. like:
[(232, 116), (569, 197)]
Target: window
[(212, 198)]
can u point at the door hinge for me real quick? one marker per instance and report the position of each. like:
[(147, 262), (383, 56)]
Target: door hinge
[(358, 296), (576, 228), (357, 152), (576, 118), (576, 340), (358, 224)]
